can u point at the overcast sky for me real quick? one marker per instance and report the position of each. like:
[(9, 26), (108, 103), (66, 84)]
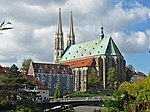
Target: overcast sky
[(35, 22)]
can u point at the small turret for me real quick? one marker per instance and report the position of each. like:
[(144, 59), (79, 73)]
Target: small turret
[(102, 33)]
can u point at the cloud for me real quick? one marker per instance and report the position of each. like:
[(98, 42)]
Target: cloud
[(35, 23), (136, 42)]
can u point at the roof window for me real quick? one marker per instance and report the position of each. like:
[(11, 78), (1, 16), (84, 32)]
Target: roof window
[(77, 51), (90, 53), (84, 49), (69, 52), (74, 56), (66, 57), (93, 48), (101, 46), (98, 51), (79, 46), (82, 55)]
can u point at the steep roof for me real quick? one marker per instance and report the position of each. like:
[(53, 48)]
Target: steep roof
[(37, 83), (80, 63), (3, 70), (106, 46), (51, 68)]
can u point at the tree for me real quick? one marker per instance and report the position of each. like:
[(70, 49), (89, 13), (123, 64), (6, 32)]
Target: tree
[(133, 97), (93, 79), (25, 66), (130, 67), (111, 77), (58, 93), (15, 89)]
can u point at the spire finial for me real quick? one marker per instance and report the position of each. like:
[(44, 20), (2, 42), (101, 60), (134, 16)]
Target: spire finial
[(59, 30), (71, 35), (71, 32), (102, 32)]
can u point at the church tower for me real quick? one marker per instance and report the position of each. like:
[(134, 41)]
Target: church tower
[(71, 35), (59, 42)]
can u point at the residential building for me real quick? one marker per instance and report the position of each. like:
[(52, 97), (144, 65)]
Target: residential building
[(53, 76), (43, 92)]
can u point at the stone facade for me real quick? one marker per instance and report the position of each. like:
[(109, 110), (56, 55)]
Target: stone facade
[(101, 54)]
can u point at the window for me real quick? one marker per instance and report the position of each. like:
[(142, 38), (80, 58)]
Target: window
[(56, 85)]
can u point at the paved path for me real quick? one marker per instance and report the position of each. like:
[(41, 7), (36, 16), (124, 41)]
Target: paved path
[(87, 109)]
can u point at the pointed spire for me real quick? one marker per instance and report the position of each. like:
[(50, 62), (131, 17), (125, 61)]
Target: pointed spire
[(71, 31), (59, 28), (59, 41), (102, 33), (71, 35)]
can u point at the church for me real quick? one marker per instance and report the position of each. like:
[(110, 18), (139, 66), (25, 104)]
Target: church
[(72, 65), (100, 54)]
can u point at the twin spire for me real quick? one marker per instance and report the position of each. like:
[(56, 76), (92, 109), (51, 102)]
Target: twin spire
[(71, 35), (59, 41)]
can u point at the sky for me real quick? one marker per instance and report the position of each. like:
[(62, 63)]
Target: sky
[(35, 24)]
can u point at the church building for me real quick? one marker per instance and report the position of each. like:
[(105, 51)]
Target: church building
[(100, 54)]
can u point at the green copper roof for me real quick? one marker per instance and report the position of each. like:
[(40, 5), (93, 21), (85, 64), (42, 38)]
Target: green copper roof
[(106, 46)]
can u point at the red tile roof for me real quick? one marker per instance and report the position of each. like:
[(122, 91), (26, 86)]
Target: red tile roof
[(36, 82), (81, 63), (51, 68), (139, 73), (3, 70)]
